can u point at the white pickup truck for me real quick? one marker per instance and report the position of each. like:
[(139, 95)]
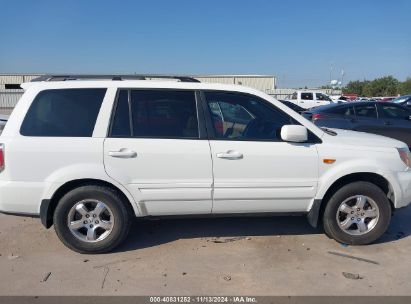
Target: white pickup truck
[(310, 99)]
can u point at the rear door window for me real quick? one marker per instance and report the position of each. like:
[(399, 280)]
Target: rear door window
[(366, 111), (121, 126), (307, 96), (63, 113), (155, 114)]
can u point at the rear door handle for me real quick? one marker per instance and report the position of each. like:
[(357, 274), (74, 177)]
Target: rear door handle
[(123, 153), (230, 154), (387, 123)]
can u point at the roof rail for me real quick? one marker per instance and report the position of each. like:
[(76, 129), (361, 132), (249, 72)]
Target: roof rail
[(112, 77)]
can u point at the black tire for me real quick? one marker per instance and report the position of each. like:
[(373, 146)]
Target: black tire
[(331, 226), (120, 212)]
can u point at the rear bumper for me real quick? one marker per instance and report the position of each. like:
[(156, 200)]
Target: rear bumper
[(21, 198)]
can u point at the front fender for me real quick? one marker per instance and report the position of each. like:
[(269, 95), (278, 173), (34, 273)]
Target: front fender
[(329, 177)]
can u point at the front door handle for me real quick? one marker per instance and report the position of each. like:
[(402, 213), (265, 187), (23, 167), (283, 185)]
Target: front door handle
[(387, 123), (230, 154), (123, 153)]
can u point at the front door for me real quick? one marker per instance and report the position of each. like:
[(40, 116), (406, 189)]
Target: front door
[(156, 151), (397, 121), (254, 170), (307, 100)]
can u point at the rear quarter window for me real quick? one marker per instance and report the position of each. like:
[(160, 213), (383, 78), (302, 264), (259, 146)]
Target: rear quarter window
[(63, 113)]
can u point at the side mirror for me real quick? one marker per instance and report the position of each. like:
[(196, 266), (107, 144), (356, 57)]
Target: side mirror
[(294, 133)]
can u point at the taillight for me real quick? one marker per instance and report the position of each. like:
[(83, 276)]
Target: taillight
[(317, 116), (1, 157)]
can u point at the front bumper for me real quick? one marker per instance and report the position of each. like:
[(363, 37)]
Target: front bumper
[(401, 186)]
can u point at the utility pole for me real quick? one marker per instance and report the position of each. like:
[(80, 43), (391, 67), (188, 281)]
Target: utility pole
[(331, 71)]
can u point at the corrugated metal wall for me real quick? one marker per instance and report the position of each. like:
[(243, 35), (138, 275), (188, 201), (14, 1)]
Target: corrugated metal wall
[(15, 79), (10, 97), (263, 83)]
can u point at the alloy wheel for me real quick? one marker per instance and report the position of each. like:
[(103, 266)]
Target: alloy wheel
[(357, 215), (90, 220)]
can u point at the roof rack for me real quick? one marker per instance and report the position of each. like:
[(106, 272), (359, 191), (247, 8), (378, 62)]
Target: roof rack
[(112, 77)]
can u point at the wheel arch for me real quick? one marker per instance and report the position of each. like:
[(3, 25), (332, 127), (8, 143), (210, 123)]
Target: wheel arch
[(48, 206), (318, 207)]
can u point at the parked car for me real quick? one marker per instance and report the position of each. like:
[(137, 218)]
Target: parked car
[(293, 106), (147, 148), (310, 99), (386, 99), (385, 118), (404, 100), (362, 99)]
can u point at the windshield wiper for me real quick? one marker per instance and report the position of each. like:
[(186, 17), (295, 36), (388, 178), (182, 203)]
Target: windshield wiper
[(329, 131)]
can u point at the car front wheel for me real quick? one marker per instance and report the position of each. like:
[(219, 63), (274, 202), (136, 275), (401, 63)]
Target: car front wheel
[(359, 213)]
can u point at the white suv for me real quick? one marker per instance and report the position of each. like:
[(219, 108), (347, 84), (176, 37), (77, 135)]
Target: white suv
[(88, 154)]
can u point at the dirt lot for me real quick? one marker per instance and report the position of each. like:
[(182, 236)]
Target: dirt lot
[(237, 256)]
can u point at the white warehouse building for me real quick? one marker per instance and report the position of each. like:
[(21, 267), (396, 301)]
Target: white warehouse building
[(10, 91), (264, 83)]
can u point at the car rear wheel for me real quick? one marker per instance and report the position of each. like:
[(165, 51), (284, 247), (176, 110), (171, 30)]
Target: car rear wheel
[(357, 214), (92, 219)]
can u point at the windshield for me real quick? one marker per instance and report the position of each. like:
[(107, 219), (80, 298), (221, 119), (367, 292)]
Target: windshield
[(400, 99)]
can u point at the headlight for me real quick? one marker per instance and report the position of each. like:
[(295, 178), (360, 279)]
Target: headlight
[(405, 156)]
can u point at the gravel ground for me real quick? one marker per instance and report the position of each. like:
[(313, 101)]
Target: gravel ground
[(235, 256)]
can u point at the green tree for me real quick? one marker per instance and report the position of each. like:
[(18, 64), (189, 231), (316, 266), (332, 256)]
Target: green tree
[(405, 87), (355, 87), (384, 86)]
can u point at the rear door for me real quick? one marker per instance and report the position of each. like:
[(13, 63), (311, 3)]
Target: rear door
[(307, 100), (158, 150), (397, 121)]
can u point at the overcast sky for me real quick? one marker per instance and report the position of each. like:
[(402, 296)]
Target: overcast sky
[(297, 41)]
